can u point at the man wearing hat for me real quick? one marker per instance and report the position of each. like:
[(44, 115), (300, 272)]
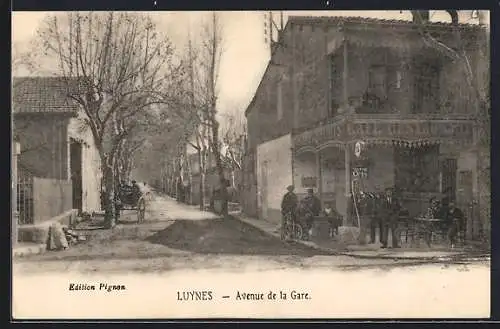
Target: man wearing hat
[(390, 213), (310, 207), (288, 207)]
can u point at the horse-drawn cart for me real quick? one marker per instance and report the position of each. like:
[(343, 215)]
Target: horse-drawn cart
[(132, 198)]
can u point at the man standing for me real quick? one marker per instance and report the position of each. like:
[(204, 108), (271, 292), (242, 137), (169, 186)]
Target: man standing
[(288, 211), (136, 190), (376, 220), (311, 207), (391, 208), (454, 221)]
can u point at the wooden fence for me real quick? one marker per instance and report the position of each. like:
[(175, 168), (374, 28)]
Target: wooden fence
[(40, 199)]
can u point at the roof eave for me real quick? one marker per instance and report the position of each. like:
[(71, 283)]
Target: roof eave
[(252, 102)]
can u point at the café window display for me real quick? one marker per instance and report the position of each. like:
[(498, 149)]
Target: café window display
[(417, 169)]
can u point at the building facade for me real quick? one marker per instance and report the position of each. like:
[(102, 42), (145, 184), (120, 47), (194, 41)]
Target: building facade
[(334, 82), (59, 165)]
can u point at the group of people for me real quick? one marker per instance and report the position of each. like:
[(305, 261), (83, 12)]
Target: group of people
[(386, 213), (308, 208), (381, 211), (453, 218)]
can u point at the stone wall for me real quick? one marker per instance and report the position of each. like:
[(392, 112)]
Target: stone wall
[(44, 144), (274, 174)]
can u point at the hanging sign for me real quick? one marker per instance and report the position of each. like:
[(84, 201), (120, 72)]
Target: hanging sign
[(358, 147), (309, 182)]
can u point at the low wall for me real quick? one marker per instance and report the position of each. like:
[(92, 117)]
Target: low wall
[(38, 233), (51, 197)]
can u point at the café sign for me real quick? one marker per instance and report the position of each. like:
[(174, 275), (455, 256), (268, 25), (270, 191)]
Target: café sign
[(308, 182), (387, 129)]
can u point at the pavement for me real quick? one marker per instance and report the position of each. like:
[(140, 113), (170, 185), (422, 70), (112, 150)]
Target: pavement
[(23, 249), (166, 208), (370, 250), (186, 228)]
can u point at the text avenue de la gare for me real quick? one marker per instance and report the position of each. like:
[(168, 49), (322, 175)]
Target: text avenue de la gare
[(207, 295)]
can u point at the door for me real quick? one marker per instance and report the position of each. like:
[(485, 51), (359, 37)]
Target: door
[(449, 177), (76, 174), (264, 190), (465, 200)]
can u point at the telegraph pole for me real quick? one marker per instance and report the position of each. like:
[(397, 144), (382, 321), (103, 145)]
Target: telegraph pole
[(268, 30)]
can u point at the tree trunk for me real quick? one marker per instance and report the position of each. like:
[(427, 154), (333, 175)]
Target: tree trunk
[(220, 168), (109, 197), (202, 180)]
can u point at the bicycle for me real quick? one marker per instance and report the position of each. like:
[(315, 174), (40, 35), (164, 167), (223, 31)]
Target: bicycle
[(291, 230)]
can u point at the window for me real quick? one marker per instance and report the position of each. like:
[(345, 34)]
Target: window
[(335, 76), (398, 79), (279, 101), (426, 88), (417, 169), (377, 81)]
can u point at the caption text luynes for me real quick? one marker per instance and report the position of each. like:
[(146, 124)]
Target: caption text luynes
[(207, 295)]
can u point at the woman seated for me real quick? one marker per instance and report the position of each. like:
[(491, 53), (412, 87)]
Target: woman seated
[(434, 208)]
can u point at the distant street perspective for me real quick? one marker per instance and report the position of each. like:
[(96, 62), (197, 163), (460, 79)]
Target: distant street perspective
[(152, 143)]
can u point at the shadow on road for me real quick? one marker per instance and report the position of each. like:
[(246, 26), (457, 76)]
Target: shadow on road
[(225, 236)]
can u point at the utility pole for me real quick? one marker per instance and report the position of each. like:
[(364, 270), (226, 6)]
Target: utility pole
[(269, 26)]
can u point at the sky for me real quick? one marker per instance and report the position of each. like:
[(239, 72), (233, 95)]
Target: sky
[(245, 51)]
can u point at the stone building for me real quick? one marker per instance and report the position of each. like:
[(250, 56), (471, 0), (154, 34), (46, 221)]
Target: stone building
[(59, 165), (334, 81)]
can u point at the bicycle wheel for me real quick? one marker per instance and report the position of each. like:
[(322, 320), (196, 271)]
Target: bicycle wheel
[(298, 232), (285, 226)]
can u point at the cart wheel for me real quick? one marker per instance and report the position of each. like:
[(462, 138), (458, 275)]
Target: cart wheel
[(141, 210), (298, 232)]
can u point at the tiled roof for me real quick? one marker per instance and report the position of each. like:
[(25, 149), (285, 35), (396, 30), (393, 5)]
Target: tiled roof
[(43, 95), (365, 20)]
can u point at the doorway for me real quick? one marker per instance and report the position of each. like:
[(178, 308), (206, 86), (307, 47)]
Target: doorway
[(264, 190), (449, 178), (465, 201), (76, 174)]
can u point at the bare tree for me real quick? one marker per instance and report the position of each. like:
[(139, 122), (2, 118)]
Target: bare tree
[(233, 138), (122, 66), (211, 49)]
